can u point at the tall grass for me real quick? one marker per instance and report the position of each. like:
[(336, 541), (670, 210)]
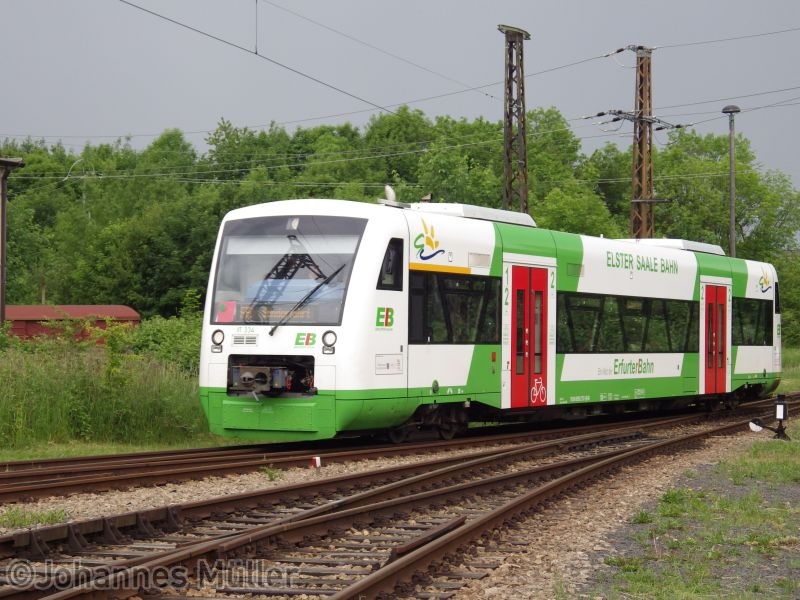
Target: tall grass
[(790, 377), (62, 389)]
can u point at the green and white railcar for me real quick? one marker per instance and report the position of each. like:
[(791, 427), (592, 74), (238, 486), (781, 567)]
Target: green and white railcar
[(328, 317)]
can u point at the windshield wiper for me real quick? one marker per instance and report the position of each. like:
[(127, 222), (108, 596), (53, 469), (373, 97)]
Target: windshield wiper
[(304, 300)]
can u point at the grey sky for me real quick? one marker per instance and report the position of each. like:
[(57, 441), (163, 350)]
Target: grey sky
[(81, 70)]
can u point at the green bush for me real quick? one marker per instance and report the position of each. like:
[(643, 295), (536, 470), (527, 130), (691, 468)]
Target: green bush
[(137, 385), (175, 340)]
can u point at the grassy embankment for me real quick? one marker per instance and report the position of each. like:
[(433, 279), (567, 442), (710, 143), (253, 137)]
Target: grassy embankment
[(135, 391), (732, 531)]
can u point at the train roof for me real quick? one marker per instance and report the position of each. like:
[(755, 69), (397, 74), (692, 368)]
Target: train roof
[(679, 245), (470, 211)]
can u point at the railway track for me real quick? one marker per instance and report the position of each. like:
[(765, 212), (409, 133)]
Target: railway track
[(332, 538), (26, 480)]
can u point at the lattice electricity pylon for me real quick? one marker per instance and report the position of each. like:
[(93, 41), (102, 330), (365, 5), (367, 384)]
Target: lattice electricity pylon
[(642, 218), (515, 153)]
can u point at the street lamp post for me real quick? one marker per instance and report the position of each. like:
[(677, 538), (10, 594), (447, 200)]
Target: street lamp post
[(731, 111)]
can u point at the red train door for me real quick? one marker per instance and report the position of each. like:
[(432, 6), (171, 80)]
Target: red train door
[(528, 337), (716, 355)]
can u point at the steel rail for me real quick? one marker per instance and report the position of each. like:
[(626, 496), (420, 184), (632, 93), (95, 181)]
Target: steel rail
[(390, 575), (27, 542), (29, 484), (398, 569)]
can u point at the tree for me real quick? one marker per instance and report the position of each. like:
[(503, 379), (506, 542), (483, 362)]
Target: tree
[(553, 152), (28, 251), (608, 172), (450, 175), (692, 173), (235, 151), (397, 141), (576, 209)]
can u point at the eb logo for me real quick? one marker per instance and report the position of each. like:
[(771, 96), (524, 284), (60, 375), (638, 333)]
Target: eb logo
[(384, 317), (305, 339)]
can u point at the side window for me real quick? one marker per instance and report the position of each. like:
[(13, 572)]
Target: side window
[(752, 322), (588, 323), (453, 309), (391, 275)]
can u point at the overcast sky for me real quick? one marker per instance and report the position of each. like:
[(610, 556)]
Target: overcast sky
[(95, 70)]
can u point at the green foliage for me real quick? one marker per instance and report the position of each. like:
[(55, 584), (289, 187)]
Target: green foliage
[(687, 547), (790, 376), (18, 517), (118, 383), (553, 151), (788, 268), (271, 472), (642, 517), (175, 340), (774, 461), (93, 393), (696, 184), (576, 210)]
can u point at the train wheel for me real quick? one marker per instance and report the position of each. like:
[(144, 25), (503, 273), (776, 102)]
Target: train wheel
[(397, 435), (448, 432)]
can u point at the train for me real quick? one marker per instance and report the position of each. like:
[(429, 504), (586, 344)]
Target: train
[(328, 318)]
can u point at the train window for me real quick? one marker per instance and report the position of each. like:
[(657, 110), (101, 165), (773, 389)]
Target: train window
[(752, 322), (563, 328), (681, 327), (391, 275), (288, 269), (489, 328), (453, 309), (537, 332), (519, 354), (777, 300), (437, 327), (710, 339), (584, 320), (721, 330), (610, 339), (596, 323), (427, 323), (656, 333), (633, 322)]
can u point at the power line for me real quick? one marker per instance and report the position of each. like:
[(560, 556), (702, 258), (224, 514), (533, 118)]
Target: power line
[(255, 158), (322, 117), (738, 97), (373, 47), (729, 39), (261, 56)]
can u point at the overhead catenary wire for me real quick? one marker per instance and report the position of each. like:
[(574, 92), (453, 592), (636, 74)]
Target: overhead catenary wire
[(373, 47), (398, 104), (728, 39), (257, 161), (261, 56)]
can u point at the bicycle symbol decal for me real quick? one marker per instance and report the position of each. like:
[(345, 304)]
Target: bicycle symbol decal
[(538, 392)]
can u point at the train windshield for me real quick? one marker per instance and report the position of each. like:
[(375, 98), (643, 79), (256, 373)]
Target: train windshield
[(285, 270)]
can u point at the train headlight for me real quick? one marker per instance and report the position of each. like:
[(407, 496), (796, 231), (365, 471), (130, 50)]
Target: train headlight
[(217, 337), (328, 341), (329, 338)]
